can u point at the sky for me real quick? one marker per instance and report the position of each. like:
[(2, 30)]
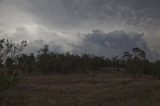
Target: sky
[(100, 27)]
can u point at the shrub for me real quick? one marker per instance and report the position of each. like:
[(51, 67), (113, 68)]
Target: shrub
[(7, 80)]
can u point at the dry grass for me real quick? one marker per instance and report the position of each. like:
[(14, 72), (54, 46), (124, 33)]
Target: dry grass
[(106, 89)]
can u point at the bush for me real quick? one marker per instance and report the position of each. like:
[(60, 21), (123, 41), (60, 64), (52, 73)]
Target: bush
[(7, 80)]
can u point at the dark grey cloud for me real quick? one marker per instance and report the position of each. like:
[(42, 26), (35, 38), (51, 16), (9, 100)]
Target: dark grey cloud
[(57, 21), (112, 44), (96, 42), (84, 14), (129, 11), (74, 14)]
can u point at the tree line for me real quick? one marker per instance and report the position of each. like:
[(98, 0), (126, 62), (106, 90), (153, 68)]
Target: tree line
[(11, 59)]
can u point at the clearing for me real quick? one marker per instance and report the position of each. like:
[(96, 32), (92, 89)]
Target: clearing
[(105, 89)]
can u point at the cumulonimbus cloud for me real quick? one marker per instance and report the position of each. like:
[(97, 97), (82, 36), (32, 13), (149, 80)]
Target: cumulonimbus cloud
[(96, 42), (57, 22), (112, 44)]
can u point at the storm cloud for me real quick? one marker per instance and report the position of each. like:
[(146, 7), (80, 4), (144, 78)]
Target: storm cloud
[(97, 43), (112, 44), (57, 22)]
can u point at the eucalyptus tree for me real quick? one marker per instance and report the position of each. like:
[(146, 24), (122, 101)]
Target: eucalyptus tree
[(135, 61), (9, 51)]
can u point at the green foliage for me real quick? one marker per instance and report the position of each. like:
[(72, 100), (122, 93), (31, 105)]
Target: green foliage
[(50, 62), (66, 63), (155, 69), (7, 80), (134, 62), (8, 52), (26, 63)]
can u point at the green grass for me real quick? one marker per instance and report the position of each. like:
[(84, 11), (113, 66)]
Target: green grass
[(106, 89)]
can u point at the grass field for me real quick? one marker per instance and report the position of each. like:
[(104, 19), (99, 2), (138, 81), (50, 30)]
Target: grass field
[(105, 89)]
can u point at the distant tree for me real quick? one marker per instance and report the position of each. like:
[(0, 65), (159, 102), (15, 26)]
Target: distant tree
[(127, 56), (8, 60), (9, 63), (44, 50), (138, 53), (8, 52), (26, 63), (135, 61), (44, 59), (31, 63)]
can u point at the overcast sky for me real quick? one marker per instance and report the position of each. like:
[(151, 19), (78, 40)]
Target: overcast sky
[(67, 25)]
